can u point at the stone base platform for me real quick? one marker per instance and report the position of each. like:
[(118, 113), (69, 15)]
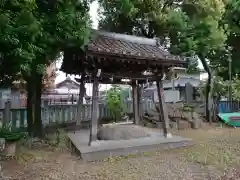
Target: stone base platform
[(100, 150)]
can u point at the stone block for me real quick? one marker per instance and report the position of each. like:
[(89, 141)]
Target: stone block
[(10, 149), (182, 125), (121, 132), (2, 144)]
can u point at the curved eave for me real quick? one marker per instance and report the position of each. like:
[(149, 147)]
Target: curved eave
[(173, 60)]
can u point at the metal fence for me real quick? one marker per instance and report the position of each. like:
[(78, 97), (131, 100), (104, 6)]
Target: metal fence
[(63, 113), (227, 106), (54, 99)]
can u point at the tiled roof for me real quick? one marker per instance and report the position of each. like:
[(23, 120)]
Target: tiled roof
[(129, 46), (68, 82)]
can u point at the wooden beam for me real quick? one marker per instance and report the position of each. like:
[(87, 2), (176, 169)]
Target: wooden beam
[(113, 65), (129, 75), (140, 88), (135, 103), (104, 80), (95, 112), (137, 59), (82, 91), (7, 113), (163, 110)]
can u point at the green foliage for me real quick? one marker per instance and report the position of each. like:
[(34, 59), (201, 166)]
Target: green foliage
[(11, 135), (32, 33), (232, 20), (219, 57), (17, 27), (200, 29), (115, 102), (235, 88), (185, 27), (219, 87), (188, 108), (192, 65), (59, 139), (192, 26)]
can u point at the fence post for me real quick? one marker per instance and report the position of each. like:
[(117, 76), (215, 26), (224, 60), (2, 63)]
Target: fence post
[(7, 113), (22, 118), (14, 119)]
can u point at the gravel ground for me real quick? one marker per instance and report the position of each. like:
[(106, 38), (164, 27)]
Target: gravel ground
[(62, 166), (203, 161)]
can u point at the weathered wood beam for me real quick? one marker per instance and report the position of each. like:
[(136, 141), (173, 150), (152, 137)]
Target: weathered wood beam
[(114, 81), (103, 62), (119, 69), (136, 76), (7, 113), (163, 110), (135, 103), (136, 59), (95, 112), (82, 91), (140, 87), (117, 74)]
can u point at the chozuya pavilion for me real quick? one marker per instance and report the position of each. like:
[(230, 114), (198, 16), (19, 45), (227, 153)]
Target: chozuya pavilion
[(107, 59)]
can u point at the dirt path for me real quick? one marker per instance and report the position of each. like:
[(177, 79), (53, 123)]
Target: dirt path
[(218, 148), (63, 166)]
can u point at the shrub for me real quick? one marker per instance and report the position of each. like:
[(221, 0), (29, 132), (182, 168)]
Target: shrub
[(11, 135), (115, 102)]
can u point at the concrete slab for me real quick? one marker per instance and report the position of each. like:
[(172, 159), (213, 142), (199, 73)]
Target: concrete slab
[(100, 150)]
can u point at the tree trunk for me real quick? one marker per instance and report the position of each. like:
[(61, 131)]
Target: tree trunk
[(38, 131), (207, 95), (208, 85), (30, 103)]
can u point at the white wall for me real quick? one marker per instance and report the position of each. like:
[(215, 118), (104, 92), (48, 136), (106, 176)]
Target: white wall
[(194, 76), (169, 95)]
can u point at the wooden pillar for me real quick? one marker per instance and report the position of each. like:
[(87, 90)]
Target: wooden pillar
[(7, 113), (163, 109), (95, 113), (135, 103), (82, 91), (139, 88)]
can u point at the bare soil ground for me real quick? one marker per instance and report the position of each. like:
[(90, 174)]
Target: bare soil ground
[(217, 150)]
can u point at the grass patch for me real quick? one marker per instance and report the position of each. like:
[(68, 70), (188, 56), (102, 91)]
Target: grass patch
[(59, 140), (218, 147), (32, 149)]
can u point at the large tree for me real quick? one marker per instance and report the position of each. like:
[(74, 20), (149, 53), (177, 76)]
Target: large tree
[(186, 27), (32, 34), (221, 58), (16, 21)]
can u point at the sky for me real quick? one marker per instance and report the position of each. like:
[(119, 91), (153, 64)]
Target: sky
[(94, 16)]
